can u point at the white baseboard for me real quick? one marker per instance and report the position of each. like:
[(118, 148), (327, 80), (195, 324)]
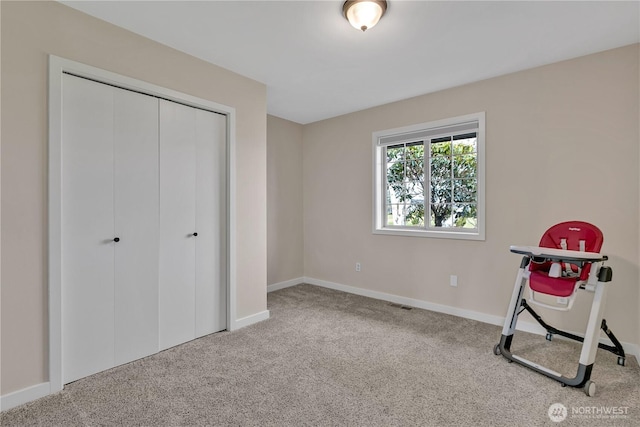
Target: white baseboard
[(25, 395), (632, 349), (440, 308), (250, 320), (534, 328), (285, 284)]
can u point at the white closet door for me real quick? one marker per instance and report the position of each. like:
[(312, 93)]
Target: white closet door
[(210, 223), (87, 228), (140, 177), (136, 225), (177, 223)]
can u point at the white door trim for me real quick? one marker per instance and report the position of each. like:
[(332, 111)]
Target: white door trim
[(58, 66)]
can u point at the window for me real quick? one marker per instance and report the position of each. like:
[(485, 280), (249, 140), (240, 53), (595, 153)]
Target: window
[(429, 179)]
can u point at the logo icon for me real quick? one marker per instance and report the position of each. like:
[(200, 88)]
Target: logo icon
[(557, 412)]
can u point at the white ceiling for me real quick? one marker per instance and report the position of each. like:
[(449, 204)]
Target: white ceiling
[(316, 66)]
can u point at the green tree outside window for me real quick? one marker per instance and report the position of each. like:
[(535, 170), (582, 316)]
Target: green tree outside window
[(450, 180)]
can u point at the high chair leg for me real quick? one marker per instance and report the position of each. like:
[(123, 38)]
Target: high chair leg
[(616, 348), (589, 343)]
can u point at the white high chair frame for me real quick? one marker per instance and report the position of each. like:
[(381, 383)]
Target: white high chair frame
[(599, 276)]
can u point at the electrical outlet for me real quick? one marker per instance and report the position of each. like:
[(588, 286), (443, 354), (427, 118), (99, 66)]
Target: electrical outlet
[(358, 266), (453, 280)]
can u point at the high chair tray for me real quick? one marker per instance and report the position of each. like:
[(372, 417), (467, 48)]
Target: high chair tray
[(557, 254)]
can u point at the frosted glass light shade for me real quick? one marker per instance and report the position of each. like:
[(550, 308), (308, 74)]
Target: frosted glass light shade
[(364, 14)]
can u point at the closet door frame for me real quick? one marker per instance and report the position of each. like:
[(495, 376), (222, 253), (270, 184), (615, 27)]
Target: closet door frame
[(57, 67)]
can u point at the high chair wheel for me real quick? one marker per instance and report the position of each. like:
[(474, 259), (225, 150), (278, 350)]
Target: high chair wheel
[(549, 336), (590, 388), (621, 361), (496, 350)]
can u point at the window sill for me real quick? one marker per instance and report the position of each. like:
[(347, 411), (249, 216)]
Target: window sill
[(457, 234)]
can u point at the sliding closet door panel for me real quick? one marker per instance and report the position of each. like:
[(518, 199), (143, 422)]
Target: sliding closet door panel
[(87, 228), (177, 223), (210, 222), (136, 225)]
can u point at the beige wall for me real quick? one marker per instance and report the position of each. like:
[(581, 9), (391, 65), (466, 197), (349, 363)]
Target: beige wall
[(561, 144), (30, 32), (285, 259)]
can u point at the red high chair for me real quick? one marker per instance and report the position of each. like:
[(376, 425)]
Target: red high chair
[(567, 259)]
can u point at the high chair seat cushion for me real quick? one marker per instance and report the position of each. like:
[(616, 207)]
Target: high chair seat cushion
[(539, 281)]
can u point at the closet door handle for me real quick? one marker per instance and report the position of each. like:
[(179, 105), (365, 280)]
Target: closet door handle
[(195, 234), (116, 239)]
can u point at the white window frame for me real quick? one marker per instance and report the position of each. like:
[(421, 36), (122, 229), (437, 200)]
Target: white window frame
[(411, 133)]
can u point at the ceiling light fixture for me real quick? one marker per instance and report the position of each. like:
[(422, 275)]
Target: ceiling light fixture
[(364, 14)]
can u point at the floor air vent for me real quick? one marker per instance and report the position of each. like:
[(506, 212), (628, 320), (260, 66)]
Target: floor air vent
[(404, 307)]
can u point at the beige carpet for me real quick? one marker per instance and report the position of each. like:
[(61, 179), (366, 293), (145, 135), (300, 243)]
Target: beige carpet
[(328, 358)]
